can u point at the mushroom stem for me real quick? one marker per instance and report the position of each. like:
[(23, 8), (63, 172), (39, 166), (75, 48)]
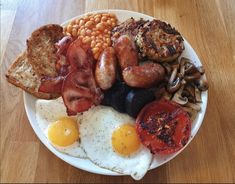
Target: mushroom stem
[(178, 97), (173, 75), (196, 107), (174, 86), (174, 83), (182, 67), (189, 92), (167, 68), (190, 68), (198, 95)]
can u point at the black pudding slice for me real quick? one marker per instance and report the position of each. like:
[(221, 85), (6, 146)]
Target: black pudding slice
[(137, 99), (116, 96)]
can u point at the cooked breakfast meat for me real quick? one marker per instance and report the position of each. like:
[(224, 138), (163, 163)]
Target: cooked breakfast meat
[(105, 71), (136, 99), (116, 96), (126, 52), (79, 92), (159, 41), (143, 76), (79, 89), (129, 27)]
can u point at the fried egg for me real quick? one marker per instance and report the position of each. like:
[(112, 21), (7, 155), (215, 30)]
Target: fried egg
[(110, 141), (62, 131)]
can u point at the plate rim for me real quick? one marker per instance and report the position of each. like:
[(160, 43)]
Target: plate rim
[(101, 170)]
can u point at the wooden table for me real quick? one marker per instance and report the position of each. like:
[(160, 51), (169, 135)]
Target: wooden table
[(209, 26)]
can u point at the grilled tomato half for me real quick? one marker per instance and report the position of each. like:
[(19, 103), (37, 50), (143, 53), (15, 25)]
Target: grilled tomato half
[(163, 127)]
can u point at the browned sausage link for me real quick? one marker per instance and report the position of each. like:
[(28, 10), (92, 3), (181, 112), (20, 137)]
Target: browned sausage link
[(126, 52), (143, 76), (105, 72)]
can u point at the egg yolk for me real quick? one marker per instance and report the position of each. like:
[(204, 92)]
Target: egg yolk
[(125, 140), (63, 132)]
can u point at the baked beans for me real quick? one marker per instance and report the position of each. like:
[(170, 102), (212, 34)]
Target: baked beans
[(94, 29)]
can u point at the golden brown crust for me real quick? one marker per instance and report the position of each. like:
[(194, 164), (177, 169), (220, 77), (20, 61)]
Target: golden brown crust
[(159, 41), (41, 50), (22, 75)]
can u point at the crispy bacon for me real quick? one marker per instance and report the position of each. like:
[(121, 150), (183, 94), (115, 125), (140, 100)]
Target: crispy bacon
[(75, 80), (78, 92), (63, 45), (51, 84), (79, 89), (62, 66), (79, 56)]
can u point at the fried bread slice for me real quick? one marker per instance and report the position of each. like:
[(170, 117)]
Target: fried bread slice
[(41, 50), (22, 74)]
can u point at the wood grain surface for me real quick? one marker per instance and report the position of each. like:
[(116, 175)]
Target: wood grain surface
[(209, 26)]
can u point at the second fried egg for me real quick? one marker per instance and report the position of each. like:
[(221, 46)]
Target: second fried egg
[(110, 141)]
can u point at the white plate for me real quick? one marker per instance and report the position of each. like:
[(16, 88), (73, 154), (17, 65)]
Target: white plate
[(85, 164)]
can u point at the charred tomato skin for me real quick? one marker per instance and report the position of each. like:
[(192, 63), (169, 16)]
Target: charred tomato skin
[(163, 127)]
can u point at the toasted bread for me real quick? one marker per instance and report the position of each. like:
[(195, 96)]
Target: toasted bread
[(41, 50), (22, 75)]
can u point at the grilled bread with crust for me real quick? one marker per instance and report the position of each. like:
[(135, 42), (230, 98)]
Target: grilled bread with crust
[(22, 74), (37, 61), (41, 50)]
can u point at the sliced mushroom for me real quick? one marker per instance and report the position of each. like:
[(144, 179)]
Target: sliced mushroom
[(190, 68), (174, 86), (174, 81), (202, 83), (173, 75), (178, 98), (201, 70), (185, 60), (182, 67), (189, 92), (192, 77), (198, 95), (188, 65), (167, 68), (194, 106)]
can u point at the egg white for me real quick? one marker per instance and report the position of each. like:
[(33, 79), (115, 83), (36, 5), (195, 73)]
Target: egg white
[(49, 111), (96, 128)]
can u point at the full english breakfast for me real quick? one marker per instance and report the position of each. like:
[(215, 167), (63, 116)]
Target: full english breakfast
[(104, 87)]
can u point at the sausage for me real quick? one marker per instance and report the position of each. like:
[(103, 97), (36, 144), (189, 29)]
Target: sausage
[(126, 52), (143, 76), (105, 72)]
